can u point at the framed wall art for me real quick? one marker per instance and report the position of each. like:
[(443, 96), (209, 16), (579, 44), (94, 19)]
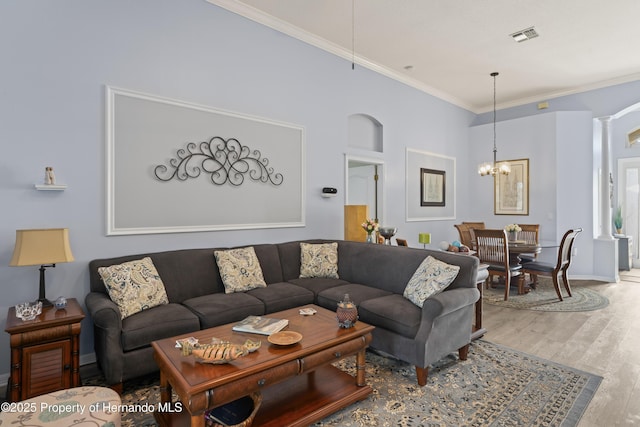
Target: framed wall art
[(511, 192), (174, 166), (432, 187)]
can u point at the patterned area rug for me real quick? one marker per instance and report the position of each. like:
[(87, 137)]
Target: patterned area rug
[(544, 297), (495, 386)]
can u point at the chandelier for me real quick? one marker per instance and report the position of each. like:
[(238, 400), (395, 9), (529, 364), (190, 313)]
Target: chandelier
[(492, 168)]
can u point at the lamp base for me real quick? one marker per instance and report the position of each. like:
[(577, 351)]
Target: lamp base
[(45, 302), (41, 291)]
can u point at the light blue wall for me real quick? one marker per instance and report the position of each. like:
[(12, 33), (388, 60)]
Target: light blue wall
[(58, 57)]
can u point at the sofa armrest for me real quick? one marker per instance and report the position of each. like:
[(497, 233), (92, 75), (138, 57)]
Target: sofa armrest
[(103, 311), (444, 303), (107, 337)]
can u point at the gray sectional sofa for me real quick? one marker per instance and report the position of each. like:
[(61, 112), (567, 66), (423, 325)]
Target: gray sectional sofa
[(373, 275)]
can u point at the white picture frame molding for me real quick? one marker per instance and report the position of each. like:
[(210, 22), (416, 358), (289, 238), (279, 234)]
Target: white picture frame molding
[(144, 131), (420, 159)]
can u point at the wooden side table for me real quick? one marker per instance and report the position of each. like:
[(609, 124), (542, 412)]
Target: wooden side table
[(45, 351)]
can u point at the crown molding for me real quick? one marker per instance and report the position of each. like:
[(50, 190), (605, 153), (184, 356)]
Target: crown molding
[(260, 17)]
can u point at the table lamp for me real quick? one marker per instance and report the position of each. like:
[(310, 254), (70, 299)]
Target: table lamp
[(44, 247), (425, 239)]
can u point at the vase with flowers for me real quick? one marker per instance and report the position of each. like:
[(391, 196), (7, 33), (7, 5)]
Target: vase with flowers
[(513, 230), (370, 226)]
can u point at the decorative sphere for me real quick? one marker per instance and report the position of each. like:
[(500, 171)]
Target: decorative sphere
[(444, 245), (60, 303)]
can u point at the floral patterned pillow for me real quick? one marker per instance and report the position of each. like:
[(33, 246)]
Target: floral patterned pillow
[(429, 279), (240, 270), (134, 286), (319, 260)]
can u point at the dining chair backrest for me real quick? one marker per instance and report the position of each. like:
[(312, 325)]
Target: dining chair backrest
[(474, 226), (492, 247), (530, 233), (465, 234), (566, 246)]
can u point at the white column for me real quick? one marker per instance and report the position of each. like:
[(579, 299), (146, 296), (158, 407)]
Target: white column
[(606, 186)]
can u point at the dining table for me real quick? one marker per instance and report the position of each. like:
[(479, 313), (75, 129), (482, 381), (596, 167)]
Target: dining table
[(519, 247)]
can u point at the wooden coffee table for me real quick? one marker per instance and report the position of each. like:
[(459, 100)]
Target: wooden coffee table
[(299, 385)]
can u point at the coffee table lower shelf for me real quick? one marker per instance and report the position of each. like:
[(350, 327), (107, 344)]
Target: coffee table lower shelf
[(296, 402)]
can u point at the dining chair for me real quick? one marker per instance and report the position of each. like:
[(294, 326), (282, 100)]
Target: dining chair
[(401, 242), (465, 235), (477, 225), (529, 233), (535, 268), (493, 249)]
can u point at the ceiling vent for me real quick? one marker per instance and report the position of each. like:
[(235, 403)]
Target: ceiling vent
[(524, 35)]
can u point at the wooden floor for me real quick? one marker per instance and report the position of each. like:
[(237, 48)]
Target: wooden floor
[(604, 342)]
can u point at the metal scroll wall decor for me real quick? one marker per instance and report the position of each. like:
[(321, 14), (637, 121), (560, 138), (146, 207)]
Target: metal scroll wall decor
[(226, 160)]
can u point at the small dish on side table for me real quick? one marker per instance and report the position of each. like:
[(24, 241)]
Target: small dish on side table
[(285, 338)]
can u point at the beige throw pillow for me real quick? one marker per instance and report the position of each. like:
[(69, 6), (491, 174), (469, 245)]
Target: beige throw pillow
[(430, 278), (239, 269), (134, 286), (319, 260)]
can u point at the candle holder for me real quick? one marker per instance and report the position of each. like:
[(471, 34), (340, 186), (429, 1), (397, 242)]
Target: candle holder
[(347, 313)]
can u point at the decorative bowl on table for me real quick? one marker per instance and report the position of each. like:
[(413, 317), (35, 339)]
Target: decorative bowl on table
[(29, 310), (285, 338), (387, 233)]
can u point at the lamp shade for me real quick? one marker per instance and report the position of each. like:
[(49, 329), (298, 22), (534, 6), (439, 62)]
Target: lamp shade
[(424, 238), (41, 246)]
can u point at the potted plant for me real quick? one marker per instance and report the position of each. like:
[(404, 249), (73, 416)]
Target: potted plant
[(617, 220)]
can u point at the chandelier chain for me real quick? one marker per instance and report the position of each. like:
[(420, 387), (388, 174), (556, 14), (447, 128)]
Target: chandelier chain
[(493, 169)]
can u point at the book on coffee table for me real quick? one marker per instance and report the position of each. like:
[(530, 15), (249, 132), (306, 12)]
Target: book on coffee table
[(260, 325)]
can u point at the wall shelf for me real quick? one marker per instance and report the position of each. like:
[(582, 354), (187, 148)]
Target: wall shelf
[(51, 187)]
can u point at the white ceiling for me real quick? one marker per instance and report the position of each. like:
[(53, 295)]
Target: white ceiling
[(454, 45)]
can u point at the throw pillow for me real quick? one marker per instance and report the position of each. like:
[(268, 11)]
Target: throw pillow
[(239, 269), (429, 279), (134, 286), (319, 260)]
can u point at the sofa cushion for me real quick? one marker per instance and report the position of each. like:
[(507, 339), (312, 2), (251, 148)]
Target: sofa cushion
[(289, 254), (318, 284), (220, 309), (330, 297), (240, 269), (269, 258), (319, 260), (392, 312), (157, 323), (282, 296), (430, 278), (134, 286)]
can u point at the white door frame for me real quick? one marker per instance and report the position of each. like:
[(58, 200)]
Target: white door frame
[(623, 165), (381, 180)]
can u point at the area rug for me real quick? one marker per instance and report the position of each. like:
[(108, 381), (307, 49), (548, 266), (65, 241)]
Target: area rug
[(544, 297), (495, 386)]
